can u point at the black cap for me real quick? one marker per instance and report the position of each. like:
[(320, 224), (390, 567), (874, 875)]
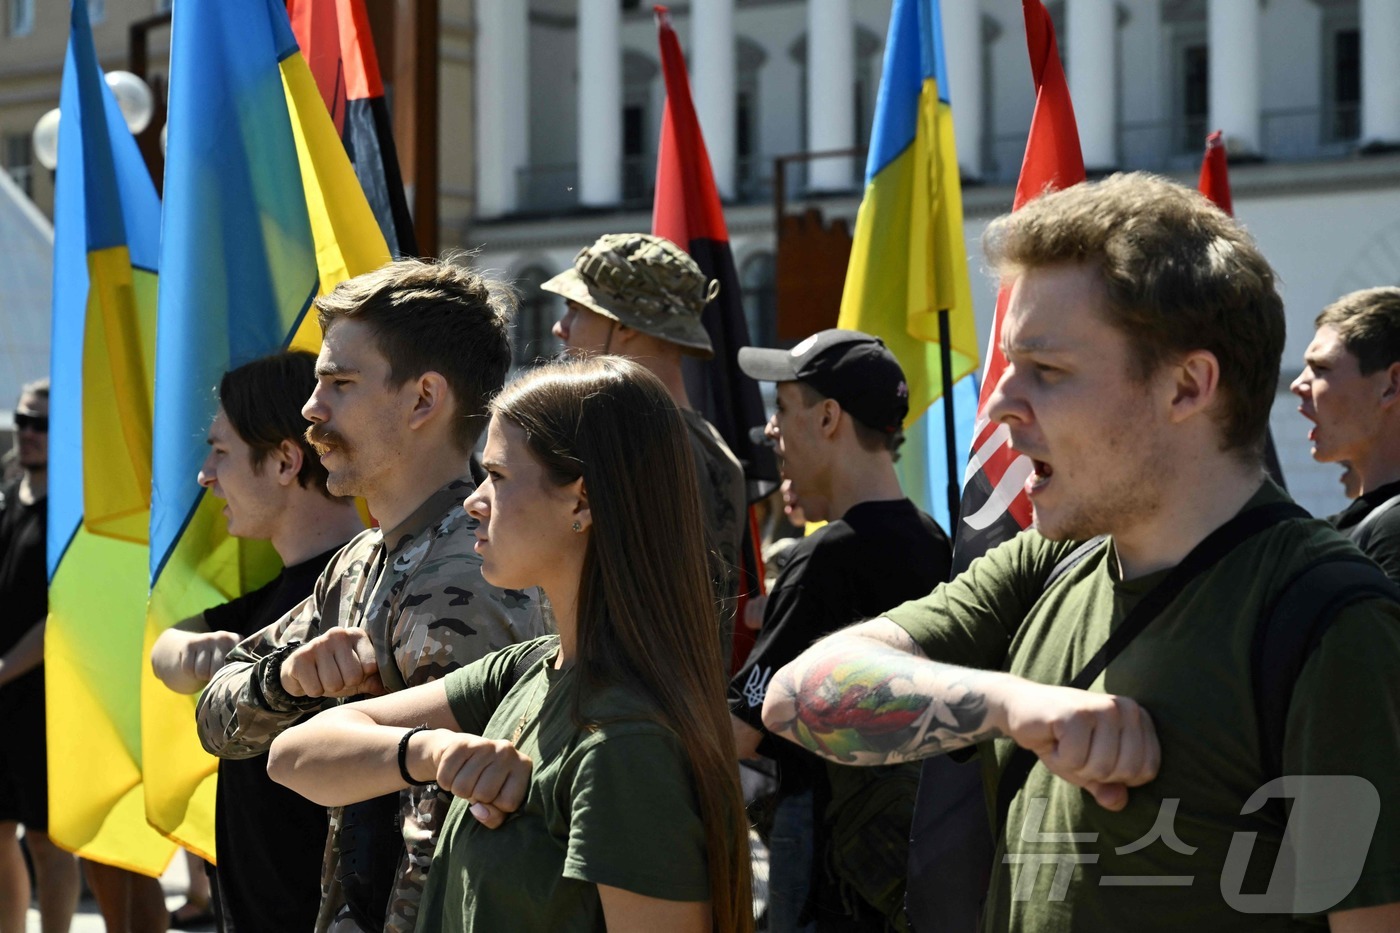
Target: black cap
[(854, 369)]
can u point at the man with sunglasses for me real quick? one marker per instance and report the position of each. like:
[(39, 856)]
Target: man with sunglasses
[(23, 755)]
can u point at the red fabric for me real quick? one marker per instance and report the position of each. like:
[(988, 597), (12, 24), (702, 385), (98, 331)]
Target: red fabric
[(335, 41), (315, 23), (1215, 174), (1053, 161), (686, 206)]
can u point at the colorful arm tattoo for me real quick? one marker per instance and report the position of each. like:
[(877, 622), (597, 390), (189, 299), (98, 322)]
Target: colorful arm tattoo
[(858, 701)]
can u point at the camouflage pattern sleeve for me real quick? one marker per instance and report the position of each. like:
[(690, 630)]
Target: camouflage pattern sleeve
[(461, 622), (244, 707)]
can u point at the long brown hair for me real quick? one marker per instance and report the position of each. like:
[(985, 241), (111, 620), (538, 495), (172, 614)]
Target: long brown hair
[(645, 604)]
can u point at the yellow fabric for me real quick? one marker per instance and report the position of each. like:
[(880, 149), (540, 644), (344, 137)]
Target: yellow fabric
[(908, 259), (93, 656), (118, 364), (344, 229)]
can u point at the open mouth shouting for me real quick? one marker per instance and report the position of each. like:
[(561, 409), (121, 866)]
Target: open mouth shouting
[(1041, 472)]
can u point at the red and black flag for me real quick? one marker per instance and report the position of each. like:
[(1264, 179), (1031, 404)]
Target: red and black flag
[(994, 502), (335, 40), (687, 212), (1215, 185)]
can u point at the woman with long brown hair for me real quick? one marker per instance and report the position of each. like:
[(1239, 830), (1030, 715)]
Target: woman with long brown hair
[(594, 770)]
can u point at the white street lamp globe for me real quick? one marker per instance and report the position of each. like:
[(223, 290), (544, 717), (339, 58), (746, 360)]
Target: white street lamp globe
[(134, 98), (46, 140), (163, 131)]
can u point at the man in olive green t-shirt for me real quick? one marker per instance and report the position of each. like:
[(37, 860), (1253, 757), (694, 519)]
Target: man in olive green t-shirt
[(1143, 339)]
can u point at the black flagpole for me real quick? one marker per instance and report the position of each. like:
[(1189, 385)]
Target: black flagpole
[(945, 357)]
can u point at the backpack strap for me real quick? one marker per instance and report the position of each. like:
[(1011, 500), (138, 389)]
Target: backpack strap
[(1071, 560), (525, 661), (1361, 534), (1288, 633), (1203, 556)]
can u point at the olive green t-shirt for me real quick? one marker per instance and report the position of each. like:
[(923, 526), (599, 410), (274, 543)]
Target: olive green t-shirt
[(1190, 669), (612, 803)]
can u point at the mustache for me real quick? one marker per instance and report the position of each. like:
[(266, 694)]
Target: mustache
[(324, 439)]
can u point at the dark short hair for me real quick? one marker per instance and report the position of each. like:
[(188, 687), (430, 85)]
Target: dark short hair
[(1368, 321), (429, 315), (1178, 275), (869, 439), (263, 401)]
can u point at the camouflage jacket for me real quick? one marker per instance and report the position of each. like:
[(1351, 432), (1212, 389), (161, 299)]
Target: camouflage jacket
[(724, 507), (418, 590)]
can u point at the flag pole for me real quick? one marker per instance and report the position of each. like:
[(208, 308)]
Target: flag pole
[(950, 441)]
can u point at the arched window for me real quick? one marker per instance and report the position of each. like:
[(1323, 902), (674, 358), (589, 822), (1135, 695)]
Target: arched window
[(760, 303), (533, 340)]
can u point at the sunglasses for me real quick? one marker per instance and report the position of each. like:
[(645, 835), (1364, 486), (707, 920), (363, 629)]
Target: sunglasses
[(36, 423)]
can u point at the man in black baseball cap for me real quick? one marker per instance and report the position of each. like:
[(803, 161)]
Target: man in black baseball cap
[(841, 405)]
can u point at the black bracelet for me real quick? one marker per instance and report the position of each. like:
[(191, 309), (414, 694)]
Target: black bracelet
[(403, 757)]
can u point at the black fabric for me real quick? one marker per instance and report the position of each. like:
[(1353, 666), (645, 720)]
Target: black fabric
[(369, 141), (270, 840), (876, 556), (1292, 628), (1379, 537), (727, 398), (1203, 556), (24, 596)]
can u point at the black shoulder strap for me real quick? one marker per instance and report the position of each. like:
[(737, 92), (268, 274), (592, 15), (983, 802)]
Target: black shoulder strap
[(1361, 535), (1287, 634), (1072, 559), (523, 663), (1204, 555)]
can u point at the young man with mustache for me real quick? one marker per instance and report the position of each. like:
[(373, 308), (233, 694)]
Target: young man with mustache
[(411, 355)]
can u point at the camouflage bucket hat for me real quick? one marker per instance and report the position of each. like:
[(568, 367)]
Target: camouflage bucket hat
[(645, 282)]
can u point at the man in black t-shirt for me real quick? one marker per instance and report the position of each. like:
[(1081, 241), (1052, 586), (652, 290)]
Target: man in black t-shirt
[(842, 400), (1350, 390), (24, 799), (270, 841)]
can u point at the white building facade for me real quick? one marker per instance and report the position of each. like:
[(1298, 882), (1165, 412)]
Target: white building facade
[(569, 97)]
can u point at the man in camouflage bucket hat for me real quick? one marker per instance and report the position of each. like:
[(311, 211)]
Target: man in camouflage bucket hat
[(642, 297), (412, 354)]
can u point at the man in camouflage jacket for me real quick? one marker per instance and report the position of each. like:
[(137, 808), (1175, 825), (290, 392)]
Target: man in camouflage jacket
[(412, 353)]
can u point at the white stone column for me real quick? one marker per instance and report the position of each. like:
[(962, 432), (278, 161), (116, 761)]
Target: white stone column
[(1234, 74), (502, 103), (712, 64), (1092, 27), (1380, 72), (962, 43), (599, 102), (831, 79)]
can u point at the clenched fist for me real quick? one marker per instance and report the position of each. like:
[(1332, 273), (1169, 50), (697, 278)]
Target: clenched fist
[(339, 663), (1104, 744), (493, 775)]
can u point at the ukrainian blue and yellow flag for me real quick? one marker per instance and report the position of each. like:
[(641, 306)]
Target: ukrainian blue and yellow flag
[(908, 260), (262, 212), (106, 249)]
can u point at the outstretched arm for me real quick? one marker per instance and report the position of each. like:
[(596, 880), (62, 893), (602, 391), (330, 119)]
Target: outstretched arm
[(187, 654), (350, 753), (868, 696)]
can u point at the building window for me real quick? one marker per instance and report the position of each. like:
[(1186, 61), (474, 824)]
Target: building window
[(1343, 94), (760, 299), (19, 155), (21, 20), (749, 163), (1193, 88), (97, 11), (534, 339)]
